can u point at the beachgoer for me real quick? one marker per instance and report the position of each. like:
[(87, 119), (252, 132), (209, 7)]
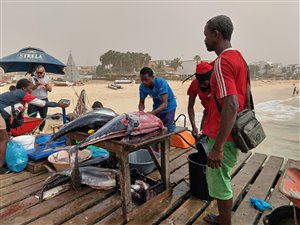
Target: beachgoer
[(164, 103), (294, 91), (12, 88), (228, 87), (97, 105), (18, 98), (201, 87), (42, 85)]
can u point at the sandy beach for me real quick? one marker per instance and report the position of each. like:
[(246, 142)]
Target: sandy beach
[(126, 99)]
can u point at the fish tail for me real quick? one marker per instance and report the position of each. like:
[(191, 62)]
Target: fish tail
[(75, 174)]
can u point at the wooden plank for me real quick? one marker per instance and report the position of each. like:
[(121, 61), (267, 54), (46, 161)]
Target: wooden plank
[(156, 211), (17, 207), (96, 212), (37, 166), (246, 213), (179, 175), (187, 212), (45, 207), (277, 199), (238, 183), (16, 178), (19, 195), (125, 185), (243, 157), (9, 175), (115, 218), (23, 184), (165, 162), (176, 152), (74, 208)]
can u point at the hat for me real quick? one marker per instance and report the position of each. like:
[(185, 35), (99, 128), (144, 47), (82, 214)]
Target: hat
[(203, 68)]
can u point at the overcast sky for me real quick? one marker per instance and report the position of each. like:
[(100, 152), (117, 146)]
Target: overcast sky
[(263, 30)]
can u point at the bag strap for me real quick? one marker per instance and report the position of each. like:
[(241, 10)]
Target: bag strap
[(248, 91)]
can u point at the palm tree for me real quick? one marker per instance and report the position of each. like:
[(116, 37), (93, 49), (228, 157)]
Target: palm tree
[(160, 66), (267, 67), (197, 58), (175, 63)]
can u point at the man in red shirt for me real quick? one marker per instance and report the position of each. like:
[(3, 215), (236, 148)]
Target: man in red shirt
[(201, 87), (228, 87)]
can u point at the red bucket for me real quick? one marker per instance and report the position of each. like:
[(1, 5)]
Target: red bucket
[(30, 123)]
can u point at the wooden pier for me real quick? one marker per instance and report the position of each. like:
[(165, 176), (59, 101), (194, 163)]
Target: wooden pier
[(255, 175)]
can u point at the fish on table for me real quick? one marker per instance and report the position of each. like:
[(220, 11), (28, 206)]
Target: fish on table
[(125, 125), (92, 120)]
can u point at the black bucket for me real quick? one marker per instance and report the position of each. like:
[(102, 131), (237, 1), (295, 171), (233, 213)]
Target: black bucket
[(197, 170)]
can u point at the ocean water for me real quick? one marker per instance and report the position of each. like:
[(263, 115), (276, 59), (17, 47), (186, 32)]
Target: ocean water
[(281, 123)]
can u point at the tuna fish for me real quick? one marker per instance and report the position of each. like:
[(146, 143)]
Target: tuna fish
[(84, 173), (91, 120), (125, 125)]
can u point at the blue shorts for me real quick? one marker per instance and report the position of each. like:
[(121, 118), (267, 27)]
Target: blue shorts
[(167, 118)]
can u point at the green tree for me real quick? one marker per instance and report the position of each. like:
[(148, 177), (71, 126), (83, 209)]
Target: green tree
[(175, 63), (253, 70), (100, 70), (119, 62), (267, 67), (160, 66), (197, 58)]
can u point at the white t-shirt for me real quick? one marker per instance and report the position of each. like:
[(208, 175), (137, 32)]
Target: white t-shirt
[(40, 92)]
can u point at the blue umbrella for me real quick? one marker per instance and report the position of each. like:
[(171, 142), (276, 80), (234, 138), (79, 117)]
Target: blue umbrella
[(27, 59)]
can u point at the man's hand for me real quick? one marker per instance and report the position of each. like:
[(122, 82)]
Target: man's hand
[(195, 131), (215, 157)]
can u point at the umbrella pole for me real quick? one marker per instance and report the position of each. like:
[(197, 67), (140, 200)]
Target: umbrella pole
[(64, 115)]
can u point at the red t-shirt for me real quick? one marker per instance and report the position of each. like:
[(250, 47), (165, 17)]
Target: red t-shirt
[(229, 77), (204, 97)]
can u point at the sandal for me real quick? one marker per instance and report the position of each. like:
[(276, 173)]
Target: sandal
[(211, 219)]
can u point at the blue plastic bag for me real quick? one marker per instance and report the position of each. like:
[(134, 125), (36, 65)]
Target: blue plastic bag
[(260, 204), (16, 156), (97, 152)]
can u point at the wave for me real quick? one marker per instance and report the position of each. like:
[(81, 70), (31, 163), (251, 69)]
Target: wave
[(278, 110)]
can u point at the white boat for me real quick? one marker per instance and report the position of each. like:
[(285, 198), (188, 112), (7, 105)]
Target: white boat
[(123, 82), (63, 83), (114, 86)]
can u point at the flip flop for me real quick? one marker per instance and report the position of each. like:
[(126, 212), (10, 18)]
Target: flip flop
[(211, 219)]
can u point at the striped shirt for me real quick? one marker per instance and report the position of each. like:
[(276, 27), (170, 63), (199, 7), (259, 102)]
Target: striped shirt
[(229, 77)]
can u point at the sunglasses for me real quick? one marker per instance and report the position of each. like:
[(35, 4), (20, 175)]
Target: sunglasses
[(40, 73)]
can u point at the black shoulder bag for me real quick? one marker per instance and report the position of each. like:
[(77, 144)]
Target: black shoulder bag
[(247, 131), (18, 119)]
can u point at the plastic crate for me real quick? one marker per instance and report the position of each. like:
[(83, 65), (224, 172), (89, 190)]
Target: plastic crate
[(142, 195)]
